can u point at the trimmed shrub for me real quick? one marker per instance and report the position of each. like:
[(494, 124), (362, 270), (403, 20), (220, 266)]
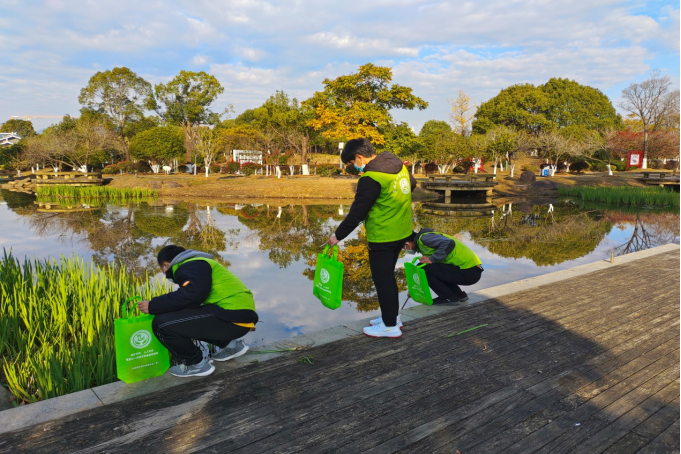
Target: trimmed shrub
[(125, 166), (671, 164), (182, 168), (599, 167), (250, 168), (530, 168), (458, 169), (326, 170), (528, 177), (283, 160), (141, 167), (215, 168), (111, 169), (431, 167), (633, 168), (351, 170), (579, 166), (231, 167)]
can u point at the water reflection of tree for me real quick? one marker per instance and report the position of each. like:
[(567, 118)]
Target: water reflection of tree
[(650, 230), (201, 233), (546, 238), (287, 233), (18, 202)]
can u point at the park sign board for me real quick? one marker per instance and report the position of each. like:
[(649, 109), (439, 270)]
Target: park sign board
[(634, 159), (246, 156)]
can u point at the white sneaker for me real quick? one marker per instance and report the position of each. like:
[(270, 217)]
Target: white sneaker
[(379, 320), (381, 330)]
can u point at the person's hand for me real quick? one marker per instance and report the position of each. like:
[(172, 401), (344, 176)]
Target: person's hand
[(143, 306), (424, 259), (332, 241)]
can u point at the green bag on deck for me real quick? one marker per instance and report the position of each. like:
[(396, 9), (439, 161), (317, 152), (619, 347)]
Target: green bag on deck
[(139, 354), (417, 283), (328, 279)]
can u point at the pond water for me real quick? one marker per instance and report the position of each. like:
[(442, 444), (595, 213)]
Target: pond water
[(272, 248)]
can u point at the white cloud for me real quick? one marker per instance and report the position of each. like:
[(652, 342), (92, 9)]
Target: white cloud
[(199, 60)]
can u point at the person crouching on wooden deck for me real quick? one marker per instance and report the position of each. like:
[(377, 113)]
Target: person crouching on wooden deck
[(211, 305), (450, 264)]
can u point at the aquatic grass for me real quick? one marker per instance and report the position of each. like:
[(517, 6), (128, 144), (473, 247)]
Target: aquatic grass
[(624, 195), (64, 191), (57, 323)]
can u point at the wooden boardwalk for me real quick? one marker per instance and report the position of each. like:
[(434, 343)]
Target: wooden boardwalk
[(585, 365)]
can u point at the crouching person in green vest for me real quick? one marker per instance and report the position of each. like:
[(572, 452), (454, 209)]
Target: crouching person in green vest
[(210, 305), (450, 264)]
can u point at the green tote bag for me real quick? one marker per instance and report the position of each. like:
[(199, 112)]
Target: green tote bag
[(328, 279), (139, 354), (417, 282)]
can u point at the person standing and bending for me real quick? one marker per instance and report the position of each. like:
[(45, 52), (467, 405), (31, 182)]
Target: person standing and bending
[(211, 305), (383, 202)]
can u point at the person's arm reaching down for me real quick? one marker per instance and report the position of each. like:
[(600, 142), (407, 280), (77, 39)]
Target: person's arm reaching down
[(368, 191), (195, 281)]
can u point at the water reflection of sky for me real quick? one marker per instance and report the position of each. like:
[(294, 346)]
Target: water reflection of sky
[(284, 295)]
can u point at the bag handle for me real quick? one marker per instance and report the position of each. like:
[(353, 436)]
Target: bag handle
[(413, 262), (124, 307), (334, 252)]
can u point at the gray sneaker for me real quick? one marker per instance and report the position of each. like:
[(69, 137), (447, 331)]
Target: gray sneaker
[(196, 370), (233, 350)]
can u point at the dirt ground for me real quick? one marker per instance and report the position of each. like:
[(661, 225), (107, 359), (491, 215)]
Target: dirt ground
[(318, 189)]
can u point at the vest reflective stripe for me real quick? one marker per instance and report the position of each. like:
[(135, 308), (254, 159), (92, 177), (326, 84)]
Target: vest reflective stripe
[(460, 256), (226, 290), (390, 217)]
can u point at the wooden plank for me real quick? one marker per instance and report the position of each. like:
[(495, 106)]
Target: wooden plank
[(667, 441)]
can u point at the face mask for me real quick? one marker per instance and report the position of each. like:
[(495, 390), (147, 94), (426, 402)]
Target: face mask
[(360, 169), (410, 251)]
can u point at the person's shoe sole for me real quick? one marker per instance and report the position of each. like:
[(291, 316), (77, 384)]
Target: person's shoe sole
[(463, 300), (391, 337), (202, 374), (235, 355)]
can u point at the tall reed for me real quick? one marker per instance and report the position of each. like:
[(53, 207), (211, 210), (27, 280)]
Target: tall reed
[(57, 323), (94, 192), (625, 195)]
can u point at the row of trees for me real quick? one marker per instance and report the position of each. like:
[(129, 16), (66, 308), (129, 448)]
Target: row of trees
[(558, 119)]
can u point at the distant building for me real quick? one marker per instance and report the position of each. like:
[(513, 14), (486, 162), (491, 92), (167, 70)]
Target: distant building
[(9, 138), (245, 156)]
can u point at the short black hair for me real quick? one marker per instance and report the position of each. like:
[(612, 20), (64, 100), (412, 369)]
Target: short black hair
[(356, 147), (168, 253), (413, 236)]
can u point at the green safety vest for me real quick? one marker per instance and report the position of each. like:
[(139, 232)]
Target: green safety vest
[(226, 290), (460, 256), (390, 217)]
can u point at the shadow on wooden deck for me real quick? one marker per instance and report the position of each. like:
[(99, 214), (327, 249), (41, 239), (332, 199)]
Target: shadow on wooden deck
[(589, 364)]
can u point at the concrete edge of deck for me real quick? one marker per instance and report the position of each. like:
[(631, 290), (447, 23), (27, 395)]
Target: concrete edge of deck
[(28, 415)]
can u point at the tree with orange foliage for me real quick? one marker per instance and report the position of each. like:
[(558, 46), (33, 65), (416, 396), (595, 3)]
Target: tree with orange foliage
[(355, 105)]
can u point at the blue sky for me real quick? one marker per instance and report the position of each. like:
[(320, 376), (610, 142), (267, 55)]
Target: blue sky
[(50, 49)]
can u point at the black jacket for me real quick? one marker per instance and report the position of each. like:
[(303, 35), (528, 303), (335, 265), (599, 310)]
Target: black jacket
[(368, 191), (195, 279)]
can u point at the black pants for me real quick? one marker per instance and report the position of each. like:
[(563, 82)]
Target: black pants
[(445, 279), (382, 260), (176, 330)]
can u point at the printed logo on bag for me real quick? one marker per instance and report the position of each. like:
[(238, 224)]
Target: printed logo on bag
[(417, 281), (405, 186), (140, 339), (324, 275)]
